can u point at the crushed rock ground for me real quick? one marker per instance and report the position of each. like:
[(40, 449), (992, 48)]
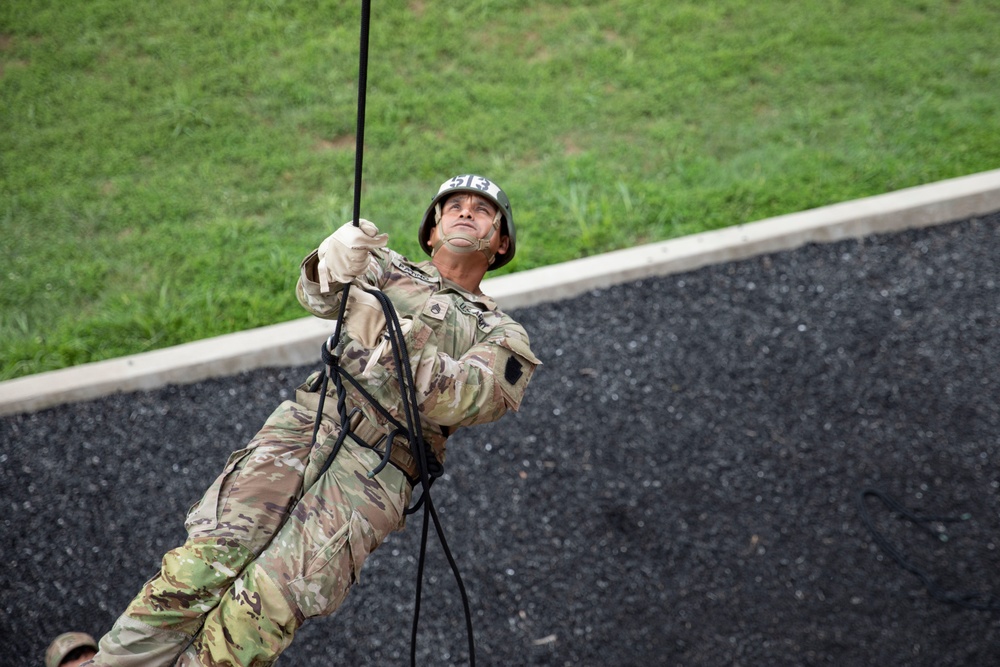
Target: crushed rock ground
[(681, 486)]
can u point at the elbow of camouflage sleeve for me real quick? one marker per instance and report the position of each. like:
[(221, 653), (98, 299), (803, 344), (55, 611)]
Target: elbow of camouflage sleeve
[(512, 367), (308, 293), (479, 388)]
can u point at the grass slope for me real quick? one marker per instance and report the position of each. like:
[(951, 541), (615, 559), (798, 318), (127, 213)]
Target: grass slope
[(165, 166)]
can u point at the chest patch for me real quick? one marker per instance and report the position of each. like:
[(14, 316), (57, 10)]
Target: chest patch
[(436, 308)]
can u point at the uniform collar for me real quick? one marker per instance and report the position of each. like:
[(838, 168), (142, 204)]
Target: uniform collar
[(485, 302)]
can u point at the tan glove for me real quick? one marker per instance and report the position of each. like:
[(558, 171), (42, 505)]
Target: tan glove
[(364, 319), (343, 255), (405, 324), (365, 323)]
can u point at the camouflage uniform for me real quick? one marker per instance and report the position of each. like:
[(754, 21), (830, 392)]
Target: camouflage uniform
[(232, 595)]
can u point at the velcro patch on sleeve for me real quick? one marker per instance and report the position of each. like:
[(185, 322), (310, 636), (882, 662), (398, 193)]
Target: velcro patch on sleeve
[(513, 365), (513, 371)]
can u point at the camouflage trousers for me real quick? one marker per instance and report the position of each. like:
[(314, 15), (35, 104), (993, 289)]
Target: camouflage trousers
[(246, 579)]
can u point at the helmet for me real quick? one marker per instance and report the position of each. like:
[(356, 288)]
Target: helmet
[(484, 188)]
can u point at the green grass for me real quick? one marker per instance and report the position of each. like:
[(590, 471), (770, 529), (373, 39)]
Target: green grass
[(165, 166)]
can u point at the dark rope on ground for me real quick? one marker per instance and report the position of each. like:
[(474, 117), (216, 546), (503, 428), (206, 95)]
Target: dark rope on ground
[(976, 600)]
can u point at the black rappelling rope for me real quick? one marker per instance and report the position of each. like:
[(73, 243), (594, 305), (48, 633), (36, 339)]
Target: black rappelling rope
[(331, 351), (428, 466), (429, 469), (980, 601), (359, 146)]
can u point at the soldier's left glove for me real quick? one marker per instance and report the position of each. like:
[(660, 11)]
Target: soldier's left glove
[(365, 323), (343, 256), (364, 320)]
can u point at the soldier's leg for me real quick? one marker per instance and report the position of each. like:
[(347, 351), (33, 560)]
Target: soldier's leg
[(232, 523), (310, 566)]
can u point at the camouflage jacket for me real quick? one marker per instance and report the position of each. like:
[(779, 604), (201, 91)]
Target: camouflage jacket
[(470, 361)]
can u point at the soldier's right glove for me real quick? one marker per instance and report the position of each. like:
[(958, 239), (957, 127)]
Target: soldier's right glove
[(343, 256)]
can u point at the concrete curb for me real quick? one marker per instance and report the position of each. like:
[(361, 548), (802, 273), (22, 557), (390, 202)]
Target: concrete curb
[(297, 342)]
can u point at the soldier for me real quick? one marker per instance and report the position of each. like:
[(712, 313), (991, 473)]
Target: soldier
[(278, 539)]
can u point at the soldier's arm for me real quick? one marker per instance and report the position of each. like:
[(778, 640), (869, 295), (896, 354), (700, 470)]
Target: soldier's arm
[(327, 304), (476, 388)]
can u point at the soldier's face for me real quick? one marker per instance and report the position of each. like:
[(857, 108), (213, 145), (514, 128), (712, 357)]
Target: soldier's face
[(471, 214)]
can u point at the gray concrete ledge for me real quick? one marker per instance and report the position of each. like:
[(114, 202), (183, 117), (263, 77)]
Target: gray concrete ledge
[(297, 342)]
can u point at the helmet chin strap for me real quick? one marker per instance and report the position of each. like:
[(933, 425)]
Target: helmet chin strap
[(475, 244)]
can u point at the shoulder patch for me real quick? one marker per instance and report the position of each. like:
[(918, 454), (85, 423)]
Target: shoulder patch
[(513, 371), (513, 365)]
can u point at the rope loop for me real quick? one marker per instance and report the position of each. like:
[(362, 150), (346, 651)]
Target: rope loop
[(976, 600)]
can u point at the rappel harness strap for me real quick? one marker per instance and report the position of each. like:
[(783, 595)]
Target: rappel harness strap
[(428, 467), (426, 462), (980, 601)]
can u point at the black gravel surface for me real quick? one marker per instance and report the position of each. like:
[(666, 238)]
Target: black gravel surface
[(681, 487)]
